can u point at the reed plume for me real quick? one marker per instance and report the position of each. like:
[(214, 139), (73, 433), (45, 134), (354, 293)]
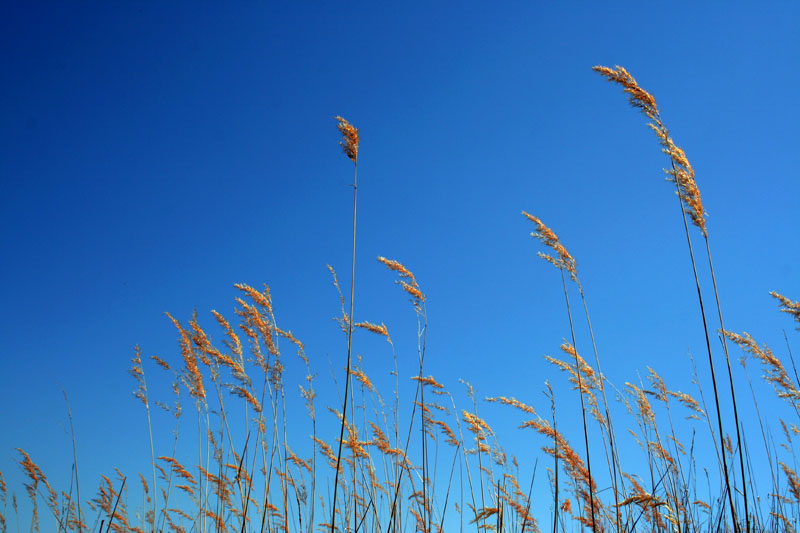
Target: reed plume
[(563, 260), (681, 172), (35, 476), (349, 142), (775, 371), (787, 305)]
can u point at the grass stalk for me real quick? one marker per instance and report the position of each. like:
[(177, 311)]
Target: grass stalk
[(730, 380), (75, 462), (555, 457), (711, 366), (114, 511), (583, 406), (689, 201), (615, 463), (350, 146)]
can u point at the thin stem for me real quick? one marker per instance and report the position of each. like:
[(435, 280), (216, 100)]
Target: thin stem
[(763, 434), (424, 455), (171, 471), (583, 407), (710, 360), (423, 342), (528, 502), (791, 358), (75, 461), (447, 494), (611, 437), (349, 350), (199, 467), (114, 511), (733, 394), (555, 466)]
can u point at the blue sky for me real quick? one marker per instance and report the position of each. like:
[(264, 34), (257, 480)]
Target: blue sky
[(153, 155)]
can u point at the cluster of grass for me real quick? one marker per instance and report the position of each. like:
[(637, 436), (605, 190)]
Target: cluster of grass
[(375, 474)]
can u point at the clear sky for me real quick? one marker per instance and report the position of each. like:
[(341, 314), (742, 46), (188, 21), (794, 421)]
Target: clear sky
[(153, 154)]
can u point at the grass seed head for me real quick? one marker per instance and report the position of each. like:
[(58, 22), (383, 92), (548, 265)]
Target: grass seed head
[(563, 260), (349, 140), (681, 172), (787, 305)]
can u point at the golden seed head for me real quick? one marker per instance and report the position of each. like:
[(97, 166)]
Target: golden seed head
[(788, 306), (637, 96), (513, 402), (349, 140), (263, 299), (775, 371), (411, 287), (681, 171), (362, 378), (193, 374), (429, 380), (374, 328), (391, 264), (563, 261)]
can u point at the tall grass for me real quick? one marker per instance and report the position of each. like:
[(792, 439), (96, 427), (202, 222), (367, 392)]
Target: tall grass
[(444, 468), (682, 174), (350, 146)]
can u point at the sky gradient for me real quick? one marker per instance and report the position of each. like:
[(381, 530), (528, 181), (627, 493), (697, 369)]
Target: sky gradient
[(152, 155)]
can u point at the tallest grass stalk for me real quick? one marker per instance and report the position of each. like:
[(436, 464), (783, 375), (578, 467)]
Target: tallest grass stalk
[(682, 174), (349, 145)]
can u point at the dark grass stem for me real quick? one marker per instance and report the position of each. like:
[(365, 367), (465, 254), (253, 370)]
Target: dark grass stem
[(75, 462), (615, 464), (530, 491), (555, 460), (422, 339), (583, 407), (791, 358), (449, 484), (349, 349), (114, 511), (171, 471), (775, 487), (710, 362), (730, 379), (688, 200)]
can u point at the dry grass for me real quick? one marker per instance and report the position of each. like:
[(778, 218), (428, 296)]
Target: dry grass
[(245, 473)]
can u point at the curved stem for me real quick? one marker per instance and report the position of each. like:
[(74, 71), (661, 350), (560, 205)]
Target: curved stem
[(710, 362), (349, 351), (733, 394), (583, 407)]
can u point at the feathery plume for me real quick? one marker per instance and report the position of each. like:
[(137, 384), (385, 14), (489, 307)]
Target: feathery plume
[(194, 376), (681, 172), (793, 308), (374, 328), (776, 373), (513, 402), (349, 140), (138, 374), (564, 260), (410, 286), (638, 97)]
